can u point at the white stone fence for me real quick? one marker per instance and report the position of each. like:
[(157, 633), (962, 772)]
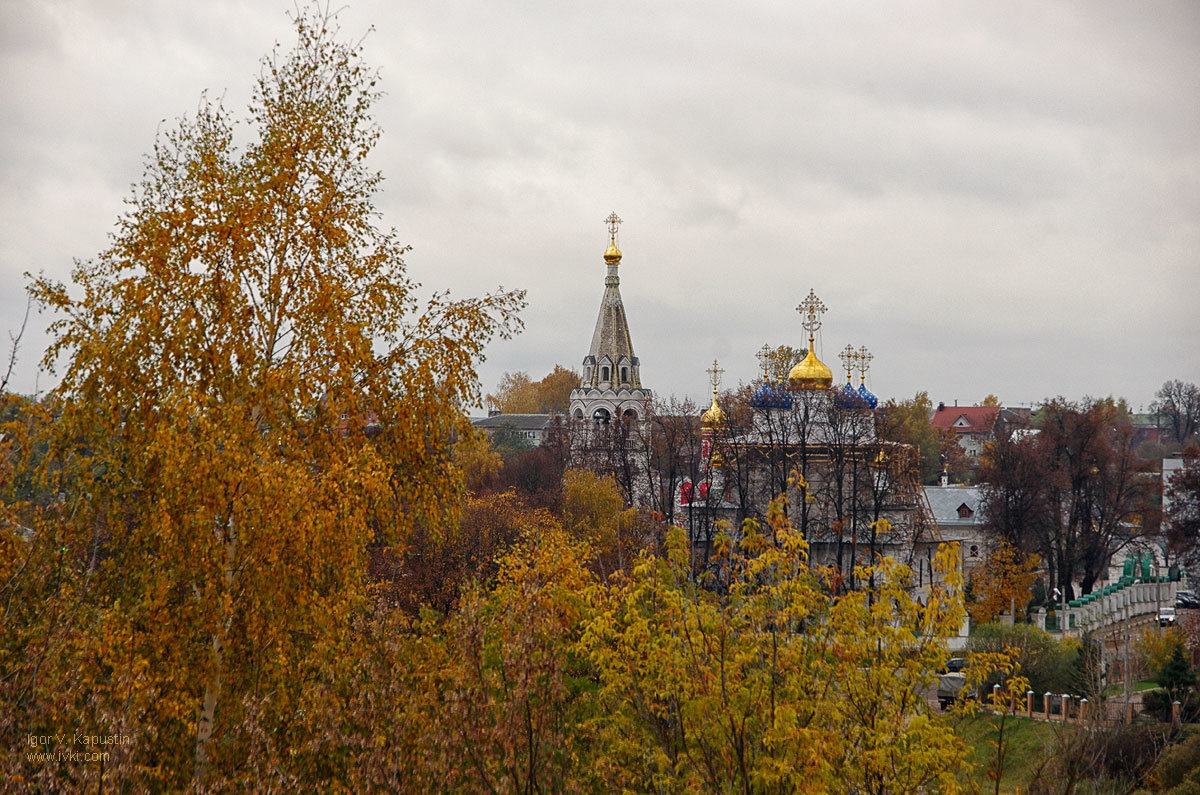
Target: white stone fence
[(1112, 605)]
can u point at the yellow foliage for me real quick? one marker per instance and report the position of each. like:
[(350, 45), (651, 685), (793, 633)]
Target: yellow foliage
[(1005, 579), (762, 681), (252, 395), (1156, 646), (592, 506), (517, 394), (480, 465)]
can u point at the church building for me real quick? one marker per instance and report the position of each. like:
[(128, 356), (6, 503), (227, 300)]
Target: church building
[(611, 386)]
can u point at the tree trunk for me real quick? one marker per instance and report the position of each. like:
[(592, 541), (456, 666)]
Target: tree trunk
[(212, 688)]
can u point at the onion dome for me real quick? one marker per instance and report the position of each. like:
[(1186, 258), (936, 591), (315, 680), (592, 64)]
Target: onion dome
[(866, 397), (612, 254), (770, 396), (847, 397), (714, 417), (811, 373)]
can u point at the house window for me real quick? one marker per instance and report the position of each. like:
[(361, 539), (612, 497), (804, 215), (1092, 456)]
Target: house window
[(965, 512), (974, 551)]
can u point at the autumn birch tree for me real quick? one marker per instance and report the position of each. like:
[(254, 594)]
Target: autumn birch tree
[(253, 392)]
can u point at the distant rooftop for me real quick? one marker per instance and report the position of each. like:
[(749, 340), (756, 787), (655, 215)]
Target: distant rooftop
[(952, 506), (521, 422), (966, 419)]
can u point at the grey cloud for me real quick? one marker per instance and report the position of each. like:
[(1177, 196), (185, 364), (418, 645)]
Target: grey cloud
[(972, 188)]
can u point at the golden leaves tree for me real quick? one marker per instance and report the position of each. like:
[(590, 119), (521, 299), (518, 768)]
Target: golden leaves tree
[(489, 698), (517, 394), (253, 392), (762, 681), (1004, 582)]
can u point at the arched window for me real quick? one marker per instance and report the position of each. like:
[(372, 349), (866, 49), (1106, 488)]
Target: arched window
[(624, 375), (604, 373)]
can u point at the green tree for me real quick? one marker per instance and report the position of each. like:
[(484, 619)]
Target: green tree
[(1047, 662), (252, 393), (1176, 675), (508, 441), (909, 422)]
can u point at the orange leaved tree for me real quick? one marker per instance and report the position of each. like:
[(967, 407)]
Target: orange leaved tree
[(252, 393), (1006, 581)]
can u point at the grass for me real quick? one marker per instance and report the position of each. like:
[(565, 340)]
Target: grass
[(1027, 743), (1138, 687)]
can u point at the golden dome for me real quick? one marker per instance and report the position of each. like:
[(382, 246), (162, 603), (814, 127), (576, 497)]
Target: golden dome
[(612, 254), (714, 417), (811, 373)]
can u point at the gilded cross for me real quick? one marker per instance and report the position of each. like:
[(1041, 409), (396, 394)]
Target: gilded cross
[(864, 363), (811, 310), (849, 358), (714, 373), (764, 360), (613, 221), (779, 362)]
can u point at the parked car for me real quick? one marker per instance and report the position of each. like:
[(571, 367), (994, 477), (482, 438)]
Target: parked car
[(1166, 616), (950, 687), (1186, 599), (951, 681)]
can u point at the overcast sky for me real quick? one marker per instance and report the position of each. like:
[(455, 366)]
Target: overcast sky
[(992, 197)]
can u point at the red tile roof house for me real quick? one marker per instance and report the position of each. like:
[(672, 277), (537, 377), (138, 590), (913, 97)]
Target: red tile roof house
[(974, 425)]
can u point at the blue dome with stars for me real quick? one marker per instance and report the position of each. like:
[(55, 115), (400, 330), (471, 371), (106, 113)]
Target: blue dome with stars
[(859, 399), (771, 396), (866, 396)]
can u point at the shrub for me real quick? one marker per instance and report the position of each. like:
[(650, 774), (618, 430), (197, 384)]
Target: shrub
[(1048, 663)]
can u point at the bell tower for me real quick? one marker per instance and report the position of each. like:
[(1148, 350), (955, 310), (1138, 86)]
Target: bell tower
[(611, 386)]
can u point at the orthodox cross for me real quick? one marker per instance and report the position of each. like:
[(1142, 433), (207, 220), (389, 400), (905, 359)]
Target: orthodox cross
[(849, 358), (780, 362), (714, 373), (613, 220), (811, 310), (764, 360), (864, 363)]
